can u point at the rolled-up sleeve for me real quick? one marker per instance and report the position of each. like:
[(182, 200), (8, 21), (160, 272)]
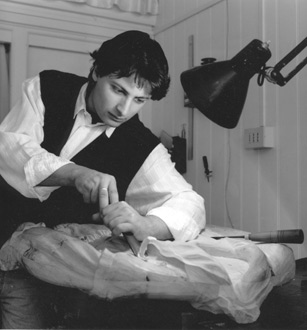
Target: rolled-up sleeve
[(158, 189), (23, 163)]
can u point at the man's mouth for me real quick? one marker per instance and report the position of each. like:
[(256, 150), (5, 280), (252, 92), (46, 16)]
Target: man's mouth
[(116, 118)]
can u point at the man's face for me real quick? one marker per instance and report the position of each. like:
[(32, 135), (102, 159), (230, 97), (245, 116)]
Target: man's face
[(116, 100)]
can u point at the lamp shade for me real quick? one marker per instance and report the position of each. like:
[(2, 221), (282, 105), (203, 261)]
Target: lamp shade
[(219, 89)]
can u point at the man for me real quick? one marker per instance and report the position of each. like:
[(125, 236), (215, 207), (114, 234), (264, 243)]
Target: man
[(73, 150)]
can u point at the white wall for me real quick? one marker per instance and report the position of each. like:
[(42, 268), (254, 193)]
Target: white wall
[(255, 190), (60, 35)]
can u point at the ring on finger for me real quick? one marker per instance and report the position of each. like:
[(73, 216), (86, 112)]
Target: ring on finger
[(106, 189)]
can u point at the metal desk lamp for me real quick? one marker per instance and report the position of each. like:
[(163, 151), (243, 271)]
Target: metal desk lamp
[(219, 89)]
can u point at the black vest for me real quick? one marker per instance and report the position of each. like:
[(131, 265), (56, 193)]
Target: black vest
[(122, 155)]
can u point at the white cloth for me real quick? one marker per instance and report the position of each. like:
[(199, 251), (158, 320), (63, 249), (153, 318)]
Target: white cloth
[(231, 276), (157, 189)]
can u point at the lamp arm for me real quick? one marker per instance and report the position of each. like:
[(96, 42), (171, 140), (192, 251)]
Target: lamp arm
[(273, 74)]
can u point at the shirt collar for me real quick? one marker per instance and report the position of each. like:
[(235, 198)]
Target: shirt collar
[(80, 107)]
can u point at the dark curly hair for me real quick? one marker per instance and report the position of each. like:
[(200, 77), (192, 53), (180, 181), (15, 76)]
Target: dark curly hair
[(133, 52)]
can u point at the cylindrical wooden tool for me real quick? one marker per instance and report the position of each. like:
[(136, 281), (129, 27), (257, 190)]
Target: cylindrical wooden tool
[(295, 236)]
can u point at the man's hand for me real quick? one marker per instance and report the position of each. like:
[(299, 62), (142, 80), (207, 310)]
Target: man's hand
[(93, 185), (122, 218), (96, 187)]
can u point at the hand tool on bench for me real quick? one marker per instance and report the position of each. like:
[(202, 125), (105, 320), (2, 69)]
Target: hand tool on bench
[(295, 236)]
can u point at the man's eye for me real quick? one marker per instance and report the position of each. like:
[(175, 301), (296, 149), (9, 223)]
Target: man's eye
[(140, 101), (117, 89)]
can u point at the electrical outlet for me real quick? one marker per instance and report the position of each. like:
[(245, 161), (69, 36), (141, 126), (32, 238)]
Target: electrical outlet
[(259, 138)]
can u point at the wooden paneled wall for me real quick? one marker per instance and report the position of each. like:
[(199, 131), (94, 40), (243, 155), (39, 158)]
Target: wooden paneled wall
[(255, 190)]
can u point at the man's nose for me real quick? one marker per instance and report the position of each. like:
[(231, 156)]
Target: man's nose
[(123, 107)]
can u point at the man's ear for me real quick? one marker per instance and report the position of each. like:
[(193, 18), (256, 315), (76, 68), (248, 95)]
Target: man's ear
[(94, 75)]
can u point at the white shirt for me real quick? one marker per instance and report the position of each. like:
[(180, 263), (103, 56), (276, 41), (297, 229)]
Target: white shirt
[(157, 188)]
